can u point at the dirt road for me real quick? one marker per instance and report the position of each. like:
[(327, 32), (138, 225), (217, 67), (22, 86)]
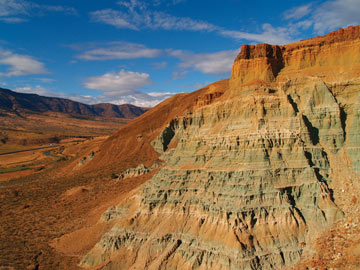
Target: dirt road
[(32, 149)]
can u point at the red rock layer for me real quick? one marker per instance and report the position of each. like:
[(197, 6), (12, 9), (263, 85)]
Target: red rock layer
[(325, 56)]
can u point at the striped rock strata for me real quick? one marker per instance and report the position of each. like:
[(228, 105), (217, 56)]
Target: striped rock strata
[(248, 172)]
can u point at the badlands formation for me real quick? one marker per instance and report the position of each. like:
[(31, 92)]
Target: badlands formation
[(249, 171)]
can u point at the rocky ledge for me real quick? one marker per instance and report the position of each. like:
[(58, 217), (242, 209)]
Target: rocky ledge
[(328, 57)]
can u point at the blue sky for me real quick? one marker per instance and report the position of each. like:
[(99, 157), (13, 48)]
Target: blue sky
[(140, 52)]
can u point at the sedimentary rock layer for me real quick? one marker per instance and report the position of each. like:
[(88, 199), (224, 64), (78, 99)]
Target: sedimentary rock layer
[(328, 57), (247, 170)]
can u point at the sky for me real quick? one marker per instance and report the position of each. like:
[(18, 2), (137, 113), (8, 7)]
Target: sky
[(141, 52)]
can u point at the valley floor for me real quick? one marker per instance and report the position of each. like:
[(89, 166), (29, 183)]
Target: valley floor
[(35, 210)]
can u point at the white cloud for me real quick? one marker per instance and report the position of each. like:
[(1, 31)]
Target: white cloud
[(137, 99), (330, 15), (13, 7), (17, 11), (160, 94), (123, 87), (270, 34), (12, 20), (143, 100), (19, 65), (42, 91), (325, 17), (208, 63), (112, 17), (298, 12), (135, 15), (37, 89), (117, 84), (215, 63), (161, 20), (118, 50), (63, 9), (305, 24), (334, 14)]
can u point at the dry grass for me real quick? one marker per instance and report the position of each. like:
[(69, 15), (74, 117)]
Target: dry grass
[(36, 209), (50, 199)]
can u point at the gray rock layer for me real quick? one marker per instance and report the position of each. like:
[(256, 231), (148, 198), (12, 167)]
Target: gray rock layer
[(247, 185)]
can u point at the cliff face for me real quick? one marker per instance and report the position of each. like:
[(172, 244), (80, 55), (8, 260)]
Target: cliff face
[(328, 57), (251, 172)]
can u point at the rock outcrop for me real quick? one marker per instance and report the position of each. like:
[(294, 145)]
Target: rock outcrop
[(138, 171), (328, 57), (248, 174)]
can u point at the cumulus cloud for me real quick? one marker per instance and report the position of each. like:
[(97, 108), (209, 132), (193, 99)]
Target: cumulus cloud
[(124, 87), (19, 64), (116, 84), (208, 63), (117, 50), (17, 11), (143, 99)]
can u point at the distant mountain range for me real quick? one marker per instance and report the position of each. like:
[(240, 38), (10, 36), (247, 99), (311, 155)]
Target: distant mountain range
[(16, 102)]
